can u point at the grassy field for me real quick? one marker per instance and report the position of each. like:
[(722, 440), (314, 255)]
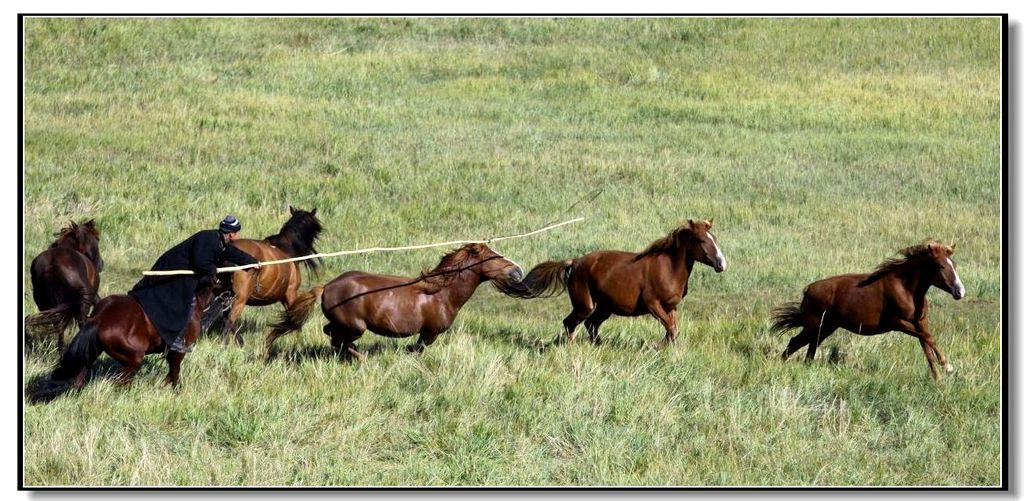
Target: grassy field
[(819, 146)]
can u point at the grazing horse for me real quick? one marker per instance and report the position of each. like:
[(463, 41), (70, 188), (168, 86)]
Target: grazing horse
[(606, 283), (400, 307), (892, 298), (120, 328), (66, 279), (277, 283)]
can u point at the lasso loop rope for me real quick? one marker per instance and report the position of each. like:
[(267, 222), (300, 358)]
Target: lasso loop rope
[(364, 251)]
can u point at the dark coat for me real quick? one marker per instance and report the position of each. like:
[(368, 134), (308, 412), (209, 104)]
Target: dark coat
[(168, 300)]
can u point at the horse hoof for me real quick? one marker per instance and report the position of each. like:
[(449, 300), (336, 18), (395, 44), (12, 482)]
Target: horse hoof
[(950, 370)]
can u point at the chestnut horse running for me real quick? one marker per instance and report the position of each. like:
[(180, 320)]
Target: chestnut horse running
[(892, 298), (395, 306), (120, 328), (66, 279), (277, 283), (606, 283)]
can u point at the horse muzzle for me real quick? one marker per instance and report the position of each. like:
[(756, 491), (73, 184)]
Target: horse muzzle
[(959, 291), (517, 275), (720, 265)]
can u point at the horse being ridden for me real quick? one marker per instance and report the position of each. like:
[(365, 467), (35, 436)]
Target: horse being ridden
[(892, 298), (66, 279), (396, 306), (120, 328), (606, 283), (278, 283)]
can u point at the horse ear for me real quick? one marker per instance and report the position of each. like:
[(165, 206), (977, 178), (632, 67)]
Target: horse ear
[(90, 224), (313, 212), (952, 249), (689, 222), (291, 209), (711, 222)]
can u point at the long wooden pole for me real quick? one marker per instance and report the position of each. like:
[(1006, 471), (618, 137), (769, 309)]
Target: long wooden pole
[(364, 251)]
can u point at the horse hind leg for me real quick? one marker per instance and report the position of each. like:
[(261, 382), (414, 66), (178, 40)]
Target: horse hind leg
[(796, 342), (593, 325), (817, 337), (343, 340)]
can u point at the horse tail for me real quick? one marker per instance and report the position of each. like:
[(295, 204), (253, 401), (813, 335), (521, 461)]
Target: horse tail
[(544, 280), (73, 307), (787, 316), (54, 320), (73, 366), (295, 316)]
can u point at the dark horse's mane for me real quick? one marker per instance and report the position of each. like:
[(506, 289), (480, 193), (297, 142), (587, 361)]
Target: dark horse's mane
[(909, 254), (670, 243), (441, 276), (72, 231), (297, 237)]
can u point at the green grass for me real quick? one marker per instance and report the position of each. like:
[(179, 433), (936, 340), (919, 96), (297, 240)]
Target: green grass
[(819, 146)]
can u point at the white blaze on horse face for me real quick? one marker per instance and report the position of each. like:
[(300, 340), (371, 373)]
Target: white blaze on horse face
[(959, 291), (719, 256)]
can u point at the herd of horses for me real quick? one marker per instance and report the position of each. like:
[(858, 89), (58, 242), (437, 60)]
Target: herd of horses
[(66, 278)]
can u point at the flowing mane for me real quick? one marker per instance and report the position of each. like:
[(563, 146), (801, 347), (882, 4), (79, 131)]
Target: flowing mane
[(671, 243), (891, 264), (298, 235), (431, 282), (72, 234)]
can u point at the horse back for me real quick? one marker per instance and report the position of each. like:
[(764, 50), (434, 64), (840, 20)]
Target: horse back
[(366, 300), (274, 280), (613, 278), (842, 300)]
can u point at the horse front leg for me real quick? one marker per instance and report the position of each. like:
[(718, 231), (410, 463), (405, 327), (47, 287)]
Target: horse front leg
[(925, 339), (174, 368), (231, 325), (668, 321), (425, 339)]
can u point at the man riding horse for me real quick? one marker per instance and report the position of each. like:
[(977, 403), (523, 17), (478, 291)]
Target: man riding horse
[(169, 300)]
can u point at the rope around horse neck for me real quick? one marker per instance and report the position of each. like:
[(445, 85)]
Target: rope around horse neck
[(365, 251)]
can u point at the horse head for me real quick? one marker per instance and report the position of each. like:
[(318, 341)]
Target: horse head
[(299, 234), (702, 246), (493, 266), (945, 276), (84, 238)]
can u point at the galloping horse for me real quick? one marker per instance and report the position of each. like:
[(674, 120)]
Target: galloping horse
[(606, 283), (278, 283), (398, 306), (892, 298), (118, 326), (66, 279)]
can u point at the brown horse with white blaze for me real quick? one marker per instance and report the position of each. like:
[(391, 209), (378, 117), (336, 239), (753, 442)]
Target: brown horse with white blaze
[(606, 283), (277, 283), (396, 306), (892, 298)]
